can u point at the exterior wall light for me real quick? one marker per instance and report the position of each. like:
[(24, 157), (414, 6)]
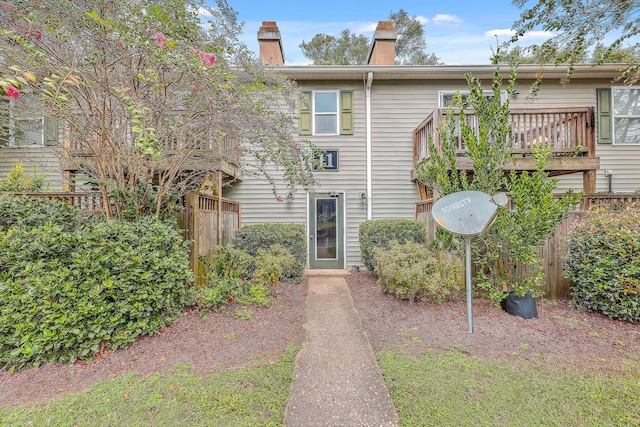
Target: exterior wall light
[(290, 197), (363, 197)]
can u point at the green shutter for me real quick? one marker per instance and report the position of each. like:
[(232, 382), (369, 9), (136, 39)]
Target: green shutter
[(51, 130), (605, 134), (304, 121), (346, 113)]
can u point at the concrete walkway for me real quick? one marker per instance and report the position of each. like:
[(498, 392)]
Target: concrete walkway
[(337, 379)]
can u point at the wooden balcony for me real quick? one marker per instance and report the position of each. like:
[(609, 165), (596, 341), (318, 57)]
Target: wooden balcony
[(568, 131), (219, 156)]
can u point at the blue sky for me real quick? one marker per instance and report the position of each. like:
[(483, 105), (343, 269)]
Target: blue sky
[(459, 32)]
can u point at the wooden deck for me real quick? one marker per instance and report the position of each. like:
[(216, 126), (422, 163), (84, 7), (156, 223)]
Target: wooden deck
[(209, 156), (569, 131)]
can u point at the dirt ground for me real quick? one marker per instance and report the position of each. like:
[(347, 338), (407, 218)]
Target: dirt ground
[(221, 340)]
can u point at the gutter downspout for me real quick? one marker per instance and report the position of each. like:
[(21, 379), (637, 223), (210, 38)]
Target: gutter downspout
[(368, 120)]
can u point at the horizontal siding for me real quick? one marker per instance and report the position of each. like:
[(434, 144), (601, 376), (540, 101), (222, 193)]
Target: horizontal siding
[(44, 161)]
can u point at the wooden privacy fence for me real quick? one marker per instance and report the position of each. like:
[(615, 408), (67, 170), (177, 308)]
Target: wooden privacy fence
[(207, 221), (556, 286)]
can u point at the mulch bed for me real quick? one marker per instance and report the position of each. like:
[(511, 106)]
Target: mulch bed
[(221, 340)]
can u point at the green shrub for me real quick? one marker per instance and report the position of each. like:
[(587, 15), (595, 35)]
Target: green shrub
[(378, 233), (410, 271), (66, 294), (229, 262), (33, 212), (18, 181), (218, 291), (252, 238), (228, 281), (602, 258), (271, 264)]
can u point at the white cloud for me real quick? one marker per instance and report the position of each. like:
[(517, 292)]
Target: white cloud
[(204, 12), (422, 19), (531, 35), (442, 18)]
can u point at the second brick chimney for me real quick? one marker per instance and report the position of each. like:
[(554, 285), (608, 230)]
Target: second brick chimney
[(383, 46), (270, 44)]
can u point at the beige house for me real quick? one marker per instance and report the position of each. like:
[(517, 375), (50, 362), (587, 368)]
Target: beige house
[(371, 122)]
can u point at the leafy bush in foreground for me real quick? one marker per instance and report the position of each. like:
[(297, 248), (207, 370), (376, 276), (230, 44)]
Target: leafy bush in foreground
[(410, 271), (603, 260), (65, 295), (33, 212), (292, 237), (379, 233)]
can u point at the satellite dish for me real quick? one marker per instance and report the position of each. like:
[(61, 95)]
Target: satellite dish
[(467, 213)]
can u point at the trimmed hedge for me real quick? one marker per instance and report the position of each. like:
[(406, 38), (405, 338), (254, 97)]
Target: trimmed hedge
[(292, 237), (66, 294), (379, 233), (603, 260), (411, 271), (32, 212)]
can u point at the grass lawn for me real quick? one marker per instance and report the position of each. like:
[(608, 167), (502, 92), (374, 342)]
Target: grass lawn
[(246, 397), (454, 389)]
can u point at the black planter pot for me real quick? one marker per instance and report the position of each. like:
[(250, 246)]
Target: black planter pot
[(520, 306)]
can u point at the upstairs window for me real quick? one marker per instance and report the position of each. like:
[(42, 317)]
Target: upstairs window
[(22, 129), (619, 115), (626, 115), (326, 113), (445, 97)]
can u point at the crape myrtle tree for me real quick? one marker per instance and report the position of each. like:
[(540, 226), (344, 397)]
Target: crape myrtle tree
[(153, 90), (581, 25)]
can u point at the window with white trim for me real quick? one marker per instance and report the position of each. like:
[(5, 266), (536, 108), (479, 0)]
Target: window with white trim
[(325, 112), (19, 129), (626, 115), (446, 97)]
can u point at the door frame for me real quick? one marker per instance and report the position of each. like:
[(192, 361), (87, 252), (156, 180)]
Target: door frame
[(341, 233)]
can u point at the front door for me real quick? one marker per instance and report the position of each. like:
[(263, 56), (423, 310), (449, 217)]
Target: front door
[(326, 230)]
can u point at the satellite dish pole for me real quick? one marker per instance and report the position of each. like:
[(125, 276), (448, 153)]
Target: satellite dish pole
[(468, 213)]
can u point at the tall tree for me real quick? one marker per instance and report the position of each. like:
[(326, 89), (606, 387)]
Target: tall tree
[(152, 94), (352, 49), (346, 49), (580, 25), (411, 47)]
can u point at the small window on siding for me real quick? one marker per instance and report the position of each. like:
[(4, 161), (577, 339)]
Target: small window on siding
[(626, 115), (325, 113), (20, 129)]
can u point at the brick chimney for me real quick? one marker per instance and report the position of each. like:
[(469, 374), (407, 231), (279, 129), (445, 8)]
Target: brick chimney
[(383, 46), (270, 44)]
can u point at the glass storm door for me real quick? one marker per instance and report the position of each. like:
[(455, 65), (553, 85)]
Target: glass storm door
[(326, 231)]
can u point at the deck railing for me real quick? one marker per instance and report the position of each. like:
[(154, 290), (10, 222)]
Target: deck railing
[(567, 130), (92, 203), (225, 148)]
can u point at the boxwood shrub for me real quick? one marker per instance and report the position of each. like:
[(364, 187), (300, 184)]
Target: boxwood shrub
[(603, 260), (66, 294), (292, 237), (379, 233), (411, 271)]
